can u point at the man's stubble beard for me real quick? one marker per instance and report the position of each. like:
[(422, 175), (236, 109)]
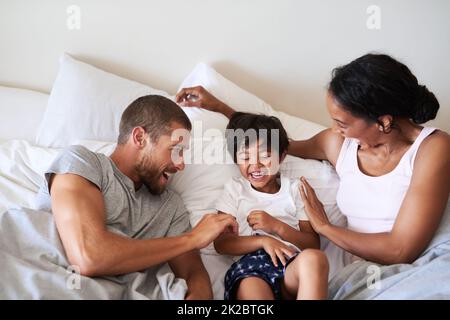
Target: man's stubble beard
[(150, 175)]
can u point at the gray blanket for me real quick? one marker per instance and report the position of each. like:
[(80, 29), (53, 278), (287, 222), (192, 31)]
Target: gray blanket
[(427, 278), (33, 265)]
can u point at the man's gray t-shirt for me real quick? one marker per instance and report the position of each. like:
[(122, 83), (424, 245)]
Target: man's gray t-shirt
[(134, 213)]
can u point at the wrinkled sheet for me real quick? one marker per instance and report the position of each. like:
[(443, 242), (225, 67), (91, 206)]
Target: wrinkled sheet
[(34, 266), (426, 278), (32, 260)]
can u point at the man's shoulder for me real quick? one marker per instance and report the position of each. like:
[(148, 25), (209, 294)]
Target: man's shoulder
[(79, 153), (79, 150)]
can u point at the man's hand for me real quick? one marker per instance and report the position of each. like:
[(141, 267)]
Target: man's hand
[(201, 98), (211, 226), (276, 248), (261, 220)]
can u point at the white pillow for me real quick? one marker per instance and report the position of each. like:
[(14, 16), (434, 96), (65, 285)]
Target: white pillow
[(240, 100), (86, 103), (201, 184), (21, 112)]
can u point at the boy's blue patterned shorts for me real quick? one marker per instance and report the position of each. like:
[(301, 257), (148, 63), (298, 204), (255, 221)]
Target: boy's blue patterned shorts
[(255, 264)]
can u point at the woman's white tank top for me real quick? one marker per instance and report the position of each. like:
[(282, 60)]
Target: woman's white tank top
[(371, 204)]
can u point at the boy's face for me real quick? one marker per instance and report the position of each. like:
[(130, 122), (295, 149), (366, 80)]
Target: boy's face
[(257, 164)]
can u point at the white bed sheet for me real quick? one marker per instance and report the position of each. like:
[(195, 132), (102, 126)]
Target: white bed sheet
[(22, 165)]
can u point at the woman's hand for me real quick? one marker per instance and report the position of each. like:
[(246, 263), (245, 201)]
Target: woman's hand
[(276, 249), (201, 98), (261, 220), (313, 207)]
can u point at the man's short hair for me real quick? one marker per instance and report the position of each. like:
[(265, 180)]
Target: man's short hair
[(242, 125), (154, 114)]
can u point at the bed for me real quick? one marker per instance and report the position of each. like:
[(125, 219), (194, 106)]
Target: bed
[(84, 108)]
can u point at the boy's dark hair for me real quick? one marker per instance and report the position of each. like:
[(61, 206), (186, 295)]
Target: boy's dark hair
[(264, 127), (376, 84), (155, 114)]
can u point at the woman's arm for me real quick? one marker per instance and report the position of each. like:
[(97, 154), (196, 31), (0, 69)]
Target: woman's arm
[(325, 145), (418, 218), (201, 98)]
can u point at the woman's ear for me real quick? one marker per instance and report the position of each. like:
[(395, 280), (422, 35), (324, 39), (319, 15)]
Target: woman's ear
[(385, 123)]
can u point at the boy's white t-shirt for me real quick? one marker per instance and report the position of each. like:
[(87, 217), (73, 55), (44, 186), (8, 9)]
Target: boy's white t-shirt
[(239, 199)]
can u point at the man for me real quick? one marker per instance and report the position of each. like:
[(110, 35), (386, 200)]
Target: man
[(114, 214)]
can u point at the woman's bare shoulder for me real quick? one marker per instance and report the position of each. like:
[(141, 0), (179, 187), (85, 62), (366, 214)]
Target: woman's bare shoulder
[(438, 142), (434, 150), (332, 144)]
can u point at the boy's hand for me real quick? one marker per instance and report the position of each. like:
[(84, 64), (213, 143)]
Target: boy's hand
[(276, 249), (261, 220)]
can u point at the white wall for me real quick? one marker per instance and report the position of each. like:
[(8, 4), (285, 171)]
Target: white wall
[(281, 50)]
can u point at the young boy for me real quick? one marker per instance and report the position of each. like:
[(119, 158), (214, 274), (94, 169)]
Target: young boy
[(280, 252)]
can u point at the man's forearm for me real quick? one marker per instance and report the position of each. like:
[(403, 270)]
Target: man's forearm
[(199, 285), (111, 254), (189, 266)]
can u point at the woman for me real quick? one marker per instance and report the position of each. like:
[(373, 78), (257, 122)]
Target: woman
[(394, 173)]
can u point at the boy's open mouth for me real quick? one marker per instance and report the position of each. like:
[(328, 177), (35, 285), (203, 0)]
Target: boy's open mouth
[(257, 175)]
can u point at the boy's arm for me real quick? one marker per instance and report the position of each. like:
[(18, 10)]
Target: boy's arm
[(234, 245), (306, 238)]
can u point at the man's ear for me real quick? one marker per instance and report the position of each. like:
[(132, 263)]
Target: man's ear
[(139, 136)]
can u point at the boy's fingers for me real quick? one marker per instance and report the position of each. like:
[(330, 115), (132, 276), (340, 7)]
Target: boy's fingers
[(274, 259), (288, 252), (281, 256)]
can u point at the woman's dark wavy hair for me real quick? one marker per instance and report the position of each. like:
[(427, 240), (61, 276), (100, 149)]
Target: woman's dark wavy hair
[(376, 84)]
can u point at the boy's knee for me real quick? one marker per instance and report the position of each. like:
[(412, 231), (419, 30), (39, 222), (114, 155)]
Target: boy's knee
[(313, 258)]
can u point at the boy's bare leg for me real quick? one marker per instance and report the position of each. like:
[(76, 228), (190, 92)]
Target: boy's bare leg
[(306, 277), (253, 288)]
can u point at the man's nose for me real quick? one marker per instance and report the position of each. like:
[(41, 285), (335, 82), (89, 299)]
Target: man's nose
[(180, 165)]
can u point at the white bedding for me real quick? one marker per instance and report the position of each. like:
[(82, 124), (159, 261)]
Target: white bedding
[(21, 173), (22, 164)]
